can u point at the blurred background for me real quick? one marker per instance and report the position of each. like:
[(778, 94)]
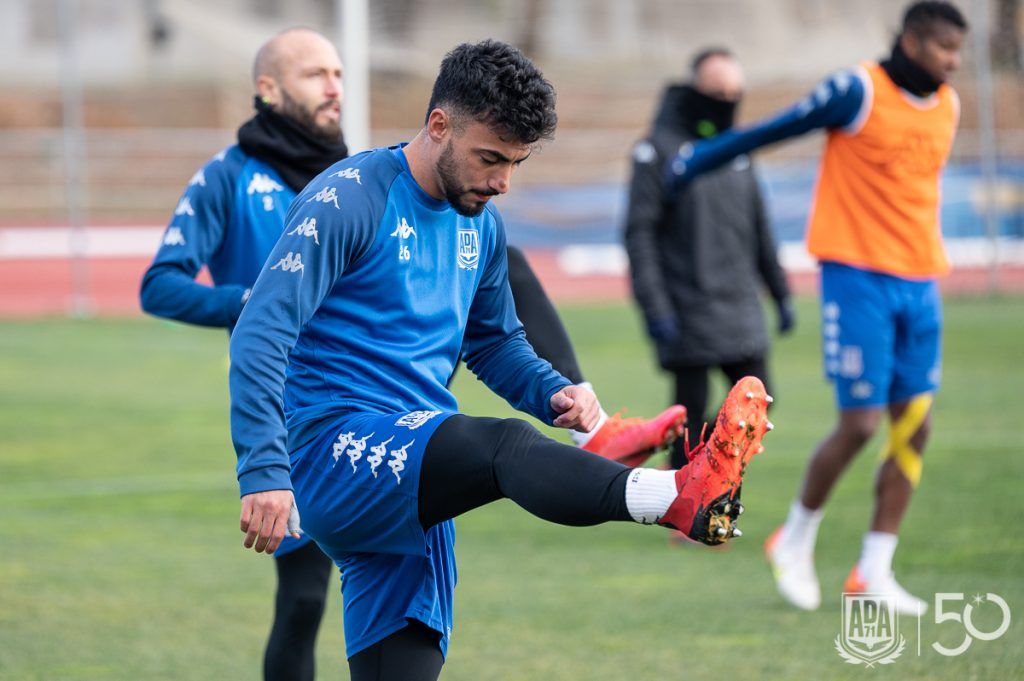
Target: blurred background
[(118, 501), (107, 108)]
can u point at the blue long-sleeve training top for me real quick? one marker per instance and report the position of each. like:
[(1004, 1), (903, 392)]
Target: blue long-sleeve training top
[(839, 101), (228, 219), (365, 304)]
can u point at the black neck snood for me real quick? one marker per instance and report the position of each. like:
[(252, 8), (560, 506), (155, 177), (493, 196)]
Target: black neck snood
[(907, 74), (287, 146), (706, 116)]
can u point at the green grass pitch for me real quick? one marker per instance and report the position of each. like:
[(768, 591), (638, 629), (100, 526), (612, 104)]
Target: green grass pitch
[(120, 555)]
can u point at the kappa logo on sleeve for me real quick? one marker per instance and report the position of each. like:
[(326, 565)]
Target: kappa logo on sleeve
[(348, 174), (325, 195), (199, 178), (290, 263), (307, 229), (184, 207), (174, 237)]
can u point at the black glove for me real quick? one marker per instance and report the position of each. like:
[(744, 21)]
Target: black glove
[(787, 315), (664, 329)]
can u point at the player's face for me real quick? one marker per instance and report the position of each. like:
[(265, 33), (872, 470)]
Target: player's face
[(939, 52), (476, 165), (310, 86)]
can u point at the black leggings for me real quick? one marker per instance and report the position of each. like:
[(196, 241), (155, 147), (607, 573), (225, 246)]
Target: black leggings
[(409, 654), (692, 393), (540, 320), (472, 461), (302, 577)]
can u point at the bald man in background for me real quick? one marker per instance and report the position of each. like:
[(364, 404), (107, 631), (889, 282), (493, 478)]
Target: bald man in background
[(228, 220), (700, 258)]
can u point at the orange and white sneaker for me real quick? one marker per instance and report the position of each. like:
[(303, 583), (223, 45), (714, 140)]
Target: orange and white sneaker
[(794, 573), (885, 585), (707, 502), (632, 441)]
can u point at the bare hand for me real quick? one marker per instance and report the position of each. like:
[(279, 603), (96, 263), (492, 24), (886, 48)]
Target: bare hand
[(265, 519), (578, 408)]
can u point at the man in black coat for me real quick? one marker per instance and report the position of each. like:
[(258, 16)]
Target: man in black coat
[(699, 258)]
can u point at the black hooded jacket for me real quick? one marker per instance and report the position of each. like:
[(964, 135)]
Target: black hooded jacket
[(702, 256)]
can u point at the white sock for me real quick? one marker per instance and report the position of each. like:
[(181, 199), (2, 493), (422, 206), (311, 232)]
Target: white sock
[(876, 556), (579, 439), (801, 529), (649, 493)]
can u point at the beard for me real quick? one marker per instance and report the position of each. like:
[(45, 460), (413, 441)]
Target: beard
[(329, 133), (454, 191)]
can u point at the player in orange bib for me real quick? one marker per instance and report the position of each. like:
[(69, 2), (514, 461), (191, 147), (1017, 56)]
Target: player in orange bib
[(874, 228)]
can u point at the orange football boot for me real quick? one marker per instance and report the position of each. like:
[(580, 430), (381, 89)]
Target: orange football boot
[(632, 441), (708, 503)]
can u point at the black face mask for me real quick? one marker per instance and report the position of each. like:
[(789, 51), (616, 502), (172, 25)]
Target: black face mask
[(706, 116), (287, 146), (907, 74)]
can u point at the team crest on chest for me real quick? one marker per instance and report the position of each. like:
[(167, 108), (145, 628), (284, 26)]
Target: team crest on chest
[(469, 249)]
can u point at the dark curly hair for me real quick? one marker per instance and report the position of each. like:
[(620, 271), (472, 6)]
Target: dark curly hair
[(921, 17), (494, 83)]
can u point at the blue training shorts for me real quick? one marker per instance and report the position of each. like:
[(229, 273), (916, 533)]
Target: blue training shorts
[(357, 491), (881, 335)]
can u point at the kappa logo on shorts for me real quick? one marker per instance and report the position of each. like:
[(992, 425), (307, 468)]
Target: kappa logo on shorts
[(851, 361), (399, 457), (415, 419), (377, 457), (356, 449), (469, 249), (344, 439)]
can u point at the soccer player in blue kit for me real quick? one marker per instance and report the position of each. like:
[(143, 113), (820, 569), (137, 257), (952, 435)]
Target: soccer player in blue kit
[(391, 266), (229, 218)]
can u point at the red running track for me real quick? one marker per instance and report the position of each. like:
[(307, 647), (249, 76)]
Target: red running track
[(43, 287)]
